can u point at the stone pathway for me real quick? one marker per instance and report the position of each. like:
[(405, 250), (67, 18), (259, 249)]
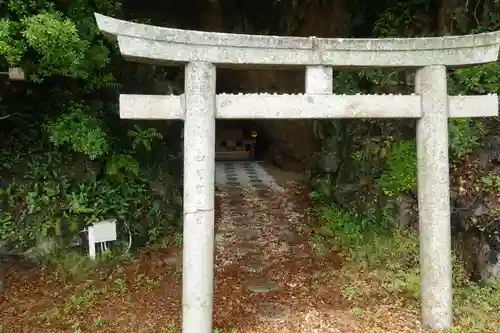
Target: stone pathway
[(258, 240), (238, 173), (268, 278), (250, 238)]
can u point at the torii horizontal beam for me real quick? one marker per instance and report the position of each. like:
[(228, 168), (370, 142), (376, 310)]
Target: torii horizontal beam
[(304, 106), (151, 44)]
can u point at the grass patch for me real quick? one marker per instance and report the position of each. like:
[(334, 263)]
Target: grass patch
[(83, 299), (77, 265), (388, 258)]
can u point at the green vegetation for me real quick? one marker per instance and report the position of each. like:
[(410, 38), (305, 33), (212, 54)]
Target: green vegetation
[(376, 165), (383, 153), (67, 160), (386, 259)]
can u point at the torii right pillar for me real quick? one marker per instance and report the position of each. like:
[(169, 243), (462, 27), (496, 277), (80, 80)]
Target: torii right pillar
[(434, 198)]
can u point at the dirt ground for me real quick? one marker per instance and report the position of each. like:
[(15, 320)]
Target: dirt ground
[(267, 279)]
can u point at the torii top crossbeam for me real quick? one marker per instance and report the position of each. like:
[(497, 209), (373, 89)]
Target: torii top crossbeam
[(151, 44)]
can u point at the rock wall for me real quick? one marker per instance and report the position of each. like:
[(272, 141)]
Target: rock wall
[(475, 204), (292, 142)]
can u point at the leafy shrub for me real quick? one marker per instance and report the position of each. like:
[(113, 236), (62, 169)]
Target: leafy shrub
[(47, 204), (465, 136), (80, 131), (56, 41), (77, 164), (400, 175), (49, 43)]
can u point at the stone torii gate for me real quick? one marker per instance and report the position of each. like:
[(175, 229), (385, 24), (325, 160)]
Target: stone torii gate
[(199, 106)]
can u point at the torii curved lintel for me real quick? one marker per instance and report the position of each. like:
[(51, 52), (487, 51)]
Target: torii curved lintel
[(151, 44)]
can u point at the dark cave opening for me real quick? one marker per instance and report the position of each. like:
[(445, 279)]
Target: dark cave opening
[(241, 139)]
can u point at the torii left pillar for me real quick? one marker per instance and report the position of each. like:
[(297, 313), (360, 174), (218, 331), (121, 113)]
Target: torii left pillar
[(199, 182)]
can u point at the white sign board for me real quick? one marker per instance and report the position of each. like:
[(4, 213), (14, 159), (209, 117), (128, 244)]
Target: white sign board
[(101, 232)]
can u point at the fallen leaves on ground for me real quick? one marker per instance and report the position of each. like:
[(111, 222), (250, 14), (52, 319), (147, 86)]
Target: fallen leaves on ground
[(144, 295)]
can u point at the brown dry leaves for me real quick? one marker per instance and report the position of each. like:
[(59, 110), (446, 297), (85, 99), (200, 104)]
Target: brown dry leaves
[(144, 296)]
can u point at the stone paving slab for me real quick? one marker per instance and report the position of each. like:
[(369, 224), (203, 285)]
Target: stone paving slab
[(243, 173)]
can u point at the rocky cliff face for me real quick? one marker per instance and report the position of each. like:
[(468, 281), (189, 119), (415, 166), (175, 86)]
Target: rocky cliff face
[(292, 142), (475, 207)]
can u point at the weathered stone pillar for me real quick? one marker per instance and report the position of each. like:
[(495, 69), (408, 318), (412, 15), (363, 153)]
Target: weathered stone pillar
[(199, 177), (319, 80), (434, 199)]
